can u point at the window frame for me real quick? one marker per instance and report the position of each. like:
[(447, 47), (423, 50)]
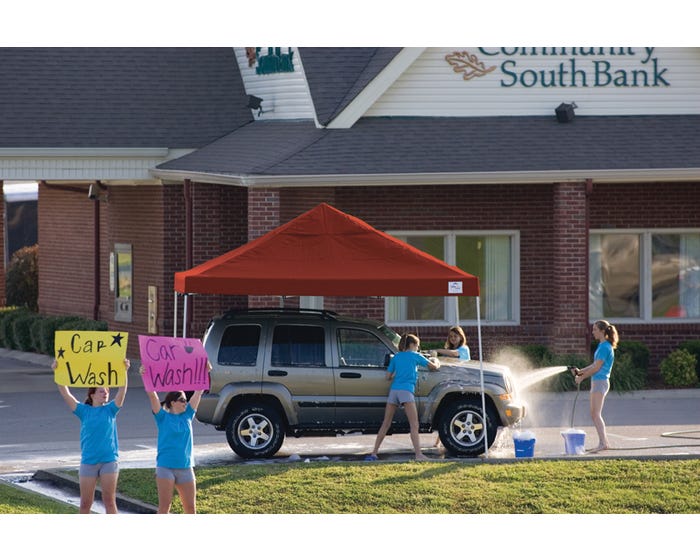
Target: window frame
[(450, 303), (645, 275)]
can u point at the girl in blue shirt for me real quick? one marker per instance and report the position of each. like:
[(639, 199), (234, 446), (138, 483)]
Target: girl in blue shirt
[(175, 459), (99, 445), (403, 373), (599, 372), (455, 345)]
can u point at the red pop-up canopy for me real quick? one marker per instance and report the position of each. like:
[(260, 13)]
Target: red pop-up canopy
[(325, 252)]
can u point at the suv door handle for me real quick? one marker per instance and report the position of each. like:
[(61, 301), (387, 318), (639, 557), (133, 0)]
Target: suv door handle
[(350, 375), (276, 373)]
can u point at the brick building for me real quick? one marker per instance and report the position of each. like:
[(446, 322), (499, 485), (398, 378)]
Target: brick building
[(565, 178)]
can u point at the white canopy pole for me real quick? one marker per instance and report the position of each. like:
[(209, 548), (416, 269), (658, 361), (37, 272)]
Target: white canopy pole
[(184, 317), (481, 375), (175, 316)]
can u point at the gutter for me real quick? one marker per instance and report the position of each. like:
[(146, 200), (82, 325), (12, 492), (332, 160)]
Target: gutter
[(461, 178)]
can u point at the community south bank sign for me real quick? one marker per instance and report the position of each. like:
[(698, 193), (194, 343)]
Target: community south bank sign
[(564, 67)]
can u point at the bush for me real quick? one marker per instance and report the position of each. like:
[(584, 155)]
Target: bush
[(22, 278), (678, 369), (638, 352), (626, 375), (693, 346), (22, 332), (7, 321)]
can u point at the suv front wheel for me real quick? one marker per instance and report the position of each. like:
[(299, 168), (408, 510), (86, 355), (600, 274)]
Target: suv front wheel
[(255, 431), (461, 428)]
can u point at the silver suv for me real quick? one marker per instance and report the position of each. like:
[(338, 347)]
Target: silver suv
[(278, 372)]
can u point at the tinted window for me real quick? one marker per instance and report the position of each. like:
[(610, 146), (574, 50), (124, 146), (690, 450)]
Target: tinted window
[(360, 348), (298, 345), (239, 345)]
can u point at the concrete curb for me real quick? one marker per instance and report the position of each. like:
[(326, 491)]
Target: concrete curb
[(66, 481)]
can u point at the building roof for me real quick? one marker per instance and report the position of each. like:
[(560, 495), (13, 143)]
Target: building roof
[(119, 97), (337, 75), (456, 149)]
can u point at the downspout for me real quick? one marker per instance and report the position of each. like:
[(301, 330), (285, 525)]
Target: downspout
[(187, 311), (96, 256), (589, 192)]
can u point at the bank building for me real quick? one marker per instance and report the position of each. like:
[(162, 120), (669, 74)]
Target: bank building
[(565, 178)]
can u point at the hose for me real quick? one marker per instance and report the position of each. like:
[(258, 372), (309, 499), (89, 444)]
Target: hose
[(573, 408)]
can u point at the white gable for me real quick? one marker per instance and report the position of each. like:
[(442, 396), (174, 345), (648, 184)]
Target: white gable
[(495, 81), (285, 95)]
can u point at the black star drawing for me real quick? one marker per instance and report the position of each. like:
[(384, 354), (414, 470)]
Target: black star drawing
[(117, 340), (61, 351)]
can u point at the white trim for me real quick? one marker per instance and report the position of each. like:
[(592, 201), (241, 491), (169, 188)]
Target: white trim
[(69, 164), (404, 179), (89, 152), (376, 88)]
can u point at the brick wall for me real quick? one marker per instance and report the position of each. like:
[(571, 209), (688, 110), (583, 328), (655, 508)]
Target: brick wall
[(2, 248), (66, 247)]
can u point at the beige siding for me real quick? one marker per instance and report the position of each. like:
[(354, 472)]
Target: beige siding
[(430, 87)]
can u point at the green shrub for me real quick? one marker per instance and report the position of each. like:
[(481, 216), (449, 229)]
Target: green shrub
[(22, 278), (22, 332), (693, 346), (626, 375), (638, 352), (678, 369), (7, 326)]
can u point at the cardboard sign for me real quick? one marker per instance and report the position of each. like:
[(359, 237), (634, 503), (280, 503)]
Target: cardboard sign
[(173, 364), (90, 358)]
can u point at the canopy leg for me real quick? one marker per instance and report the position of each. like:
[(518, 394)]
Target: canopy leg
[(175, 316), (481, 377)]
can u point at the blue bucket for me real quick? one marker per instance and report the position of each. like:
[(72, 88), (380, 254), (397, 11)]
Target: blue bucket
[(574, 442), (524, 443)]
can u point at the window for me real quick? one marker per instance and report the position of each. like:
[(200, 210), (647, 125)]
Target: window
[(492, 256), (239, 345), (648, 275), (298, 345), (359, 348)]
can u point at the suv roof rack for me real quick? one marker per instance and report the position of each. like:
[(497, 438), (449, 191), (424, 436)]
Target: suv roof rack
[(326, 313)]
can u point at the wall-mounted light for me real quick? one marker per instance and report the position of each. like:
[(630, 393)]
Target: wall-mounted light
[(565, 112), (255, 103), (97, 192)]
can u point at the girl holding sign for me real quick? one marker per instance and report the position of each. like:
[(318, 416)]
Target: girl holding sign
[(99, 444), (175, 459)]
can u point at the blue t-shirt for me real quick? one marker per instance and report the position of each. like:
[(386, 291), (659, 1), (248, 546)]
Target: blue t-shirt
[(606, 353), (175, 439), (404, 366), (98, 433), (464, 353)]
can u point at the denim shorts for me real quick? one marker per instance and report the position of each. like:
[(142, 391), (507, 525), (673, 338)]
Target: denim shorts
[(600, 386), (400, 396), (180, 476), (93, 471)]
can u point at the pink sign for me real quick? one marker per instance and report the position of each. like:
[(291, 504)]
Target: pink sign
[(173, 364)]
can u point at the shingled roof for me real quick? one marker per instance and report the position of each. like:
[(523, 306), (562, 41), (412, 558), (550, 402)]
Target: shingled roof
[(119, 97), (498, 145), (336, 75)]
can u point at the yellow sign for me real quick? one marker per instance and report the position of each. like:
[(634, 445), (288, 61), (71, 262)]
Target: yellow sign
[(90, 358)]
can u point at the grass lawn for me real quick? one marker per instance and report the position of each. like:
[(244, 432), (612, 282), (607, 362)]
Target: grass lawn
[(18, 500), (525, 487)]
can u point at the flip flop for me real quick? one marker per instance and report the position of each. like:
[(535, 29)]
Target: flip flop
[(371, 457)]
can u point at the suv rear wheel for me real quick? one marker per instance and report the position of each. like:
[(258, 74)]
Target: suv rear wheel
[(255, 431), (461, 428)]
